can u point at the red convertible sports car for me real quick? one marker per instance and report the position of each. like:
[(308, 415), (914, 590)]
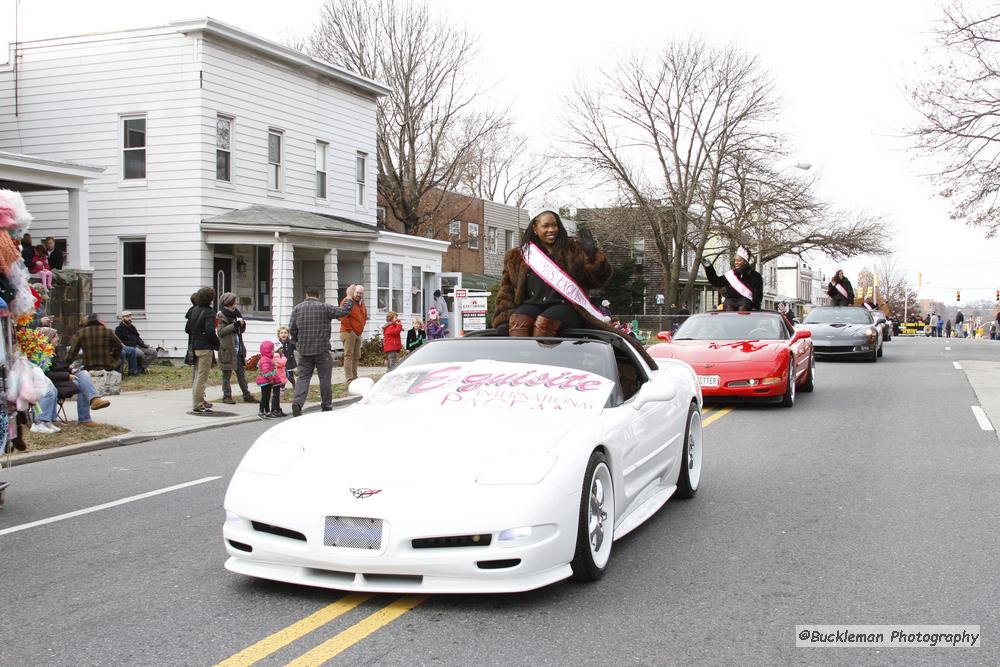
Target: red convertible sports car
[(743, 355)]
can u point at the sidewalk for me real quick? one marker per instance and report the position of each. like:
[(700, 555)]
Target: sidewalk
[(150, 415)]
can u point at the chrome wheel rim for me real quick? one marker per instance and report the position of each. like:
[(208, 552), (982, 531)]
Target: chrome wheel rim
[(694, 451), (601, 515), (791, 380)]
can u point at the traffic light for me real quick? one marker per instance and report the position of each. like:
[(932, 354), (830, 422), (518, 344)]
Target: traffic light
[(958, 295)]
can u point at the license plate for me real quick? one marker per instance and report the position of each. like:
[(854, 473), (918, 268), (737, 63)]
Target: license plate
[(350, 532), (708, 380)]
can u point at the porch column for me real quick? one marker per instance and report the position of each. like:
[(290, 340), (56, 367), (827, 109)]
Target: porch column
[(79, 230), (331, 278), (283, 258)]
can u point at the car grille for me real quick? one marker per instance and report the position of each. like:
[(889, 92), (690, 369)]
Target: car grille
[(834, 348), (481, 540), (352, 532), (277, 530)]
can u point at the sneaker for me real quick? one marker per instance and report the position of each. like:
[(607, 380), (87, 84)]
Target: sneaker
[(276, 414), (40, 427), (98, 403), (250, 398), (263, 415), (52, 427), (207, 404), (229, 400), (296, 410), (201, 409)]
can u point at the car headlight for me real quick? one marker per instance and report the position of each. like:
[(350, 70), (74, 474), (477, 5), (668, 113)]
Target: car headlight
[(267, 457), (516, 469), (871, 333)]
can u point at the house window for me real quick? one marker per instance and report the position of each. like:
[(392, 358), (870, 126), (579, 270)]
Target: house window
[(275, 153), (134, 274), (454, 229), (321, 169), (262, 279), (429, 230), (416, 291), (491, 239), (223, 149), (134, 148), (361, 171), (390, 287), (473, 236), (508, 240), (380, 216), (397, 287), (639, 251)]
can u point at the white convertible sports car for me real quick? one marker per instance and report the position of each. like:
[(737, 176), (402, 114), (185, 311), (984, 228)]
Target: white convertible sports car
[(479, 465)]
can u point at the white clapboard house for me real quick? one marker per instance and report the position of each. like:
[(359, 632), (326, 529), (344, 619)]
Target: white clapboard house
[(218, 158)]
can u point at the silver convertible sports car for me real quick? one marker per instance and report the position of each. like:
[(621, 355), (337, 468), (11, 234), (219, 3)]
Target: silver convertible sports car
[(480, 464), (844, 331)]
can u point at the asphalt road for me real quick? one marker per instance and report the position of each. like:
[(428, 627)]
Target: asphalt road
[(872, 501)]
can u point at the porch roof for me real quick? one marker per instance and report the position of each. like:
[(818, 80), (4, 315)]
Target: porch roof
[(289, 220)]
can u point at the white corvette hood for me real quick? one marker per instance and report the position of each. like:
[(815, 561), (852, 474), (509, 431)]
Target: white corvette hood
[(375, 446)]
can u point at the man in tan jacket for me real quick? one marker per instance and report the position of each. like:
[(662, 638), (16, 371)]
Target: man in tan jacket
[(352, 326)]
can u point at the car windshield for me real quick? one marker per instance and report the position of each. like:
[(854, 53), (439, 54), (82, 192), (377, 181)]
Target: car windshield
[(584, 355), (743, 326), (838, 315), (502, 374)]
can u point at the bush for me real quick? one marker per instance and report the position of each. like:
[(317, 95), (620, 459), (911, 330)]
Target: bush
[(371, 352)]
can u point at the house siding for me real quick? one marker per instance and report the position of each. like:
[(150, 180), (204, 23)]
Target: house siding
[(502, 218), (71, 95)]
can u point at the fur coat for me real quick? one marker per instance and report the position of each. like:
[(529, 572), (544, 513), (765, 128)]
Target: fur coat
[(589, 270)]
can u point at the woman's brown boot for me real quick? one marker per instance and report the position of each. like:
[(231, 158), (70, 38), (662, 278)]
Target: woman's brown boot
[(545, 327), (520, 325)]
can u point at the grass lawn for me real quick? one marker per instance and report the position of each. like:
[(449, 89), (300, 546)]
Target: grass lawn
[(71, 434), (171, 377)]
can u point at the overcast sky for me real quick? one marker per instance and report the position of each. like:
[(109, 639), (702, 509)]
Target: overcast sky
[(841, 69)]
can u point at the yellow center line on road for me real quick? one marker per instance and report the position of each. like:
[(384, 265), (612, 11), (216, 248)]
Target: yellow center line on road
[(297, 630), (718, 414), (352, 635)]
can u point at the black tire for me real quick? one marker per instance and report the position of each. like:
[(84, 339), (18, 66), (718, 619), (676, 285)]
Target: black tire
[(584, 567), (685, 489), (788, 400), (879, 353), (873, 357), (810, 382)]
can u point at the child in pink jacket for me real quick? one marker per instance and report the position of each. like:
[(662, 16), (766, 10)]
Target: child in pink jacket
[(267, 380), (280, 362)]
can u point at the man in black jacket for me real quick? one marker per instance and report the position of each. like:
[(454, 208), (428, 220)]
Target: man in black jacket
[(136, 351), (56, 259), (742, 287)]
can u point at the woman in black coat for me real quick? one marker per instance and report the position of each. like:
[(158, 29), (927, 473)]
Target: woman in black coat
[(203, 341), (840, 290)]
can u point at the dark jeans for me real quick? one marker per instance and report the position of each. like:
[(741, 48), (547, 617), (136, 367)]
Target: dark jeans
[(270, 394), (241, 378), (323, 365)]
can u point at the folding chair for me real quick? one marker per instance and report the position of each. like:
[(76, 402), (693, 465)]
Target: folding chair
[(61, 410)]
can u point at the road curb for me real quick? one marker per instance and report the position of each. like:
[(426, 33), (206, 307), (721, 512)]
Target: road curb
[(136, 438)]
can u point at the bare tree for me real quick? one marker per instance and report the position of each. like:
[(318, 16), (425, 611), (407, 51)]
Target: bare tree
[(893, 293), (660, 130), (502, 168), (960, 107), (429, 125), (774, 213)]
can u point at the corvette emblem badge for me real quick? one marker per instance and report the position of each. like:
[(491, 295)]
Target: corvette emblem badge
[(364, 493)]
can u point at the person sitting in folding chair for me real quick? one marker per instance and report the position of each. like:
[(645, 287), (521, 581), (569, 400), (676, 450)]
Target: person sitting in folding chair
[(70, 384)]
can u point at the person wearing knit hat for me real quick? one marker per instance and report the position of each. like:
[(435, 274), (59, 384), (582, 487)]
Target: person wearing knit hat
[(136, 352), (742, 286), (230, 327)]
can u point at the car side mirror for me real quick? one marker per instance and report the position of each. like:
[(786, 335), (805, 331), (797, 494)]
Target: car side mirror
[(360, 386), (800, 334), (655, 391), (665, 336)]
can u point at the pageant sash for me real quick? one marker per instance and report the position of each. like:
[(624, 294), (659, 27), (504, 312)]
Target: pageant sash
[(842, 290), (869, 306), (739, 285), (559, 280)]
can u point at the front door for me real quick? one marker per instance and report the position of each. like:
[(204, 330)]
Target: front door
[(222, 276)]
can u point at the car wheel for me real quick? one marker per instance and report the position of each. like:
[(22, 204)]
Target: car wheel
[(596, 527), (810, 382), (788, 400), (690, 476), (879, 353)]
